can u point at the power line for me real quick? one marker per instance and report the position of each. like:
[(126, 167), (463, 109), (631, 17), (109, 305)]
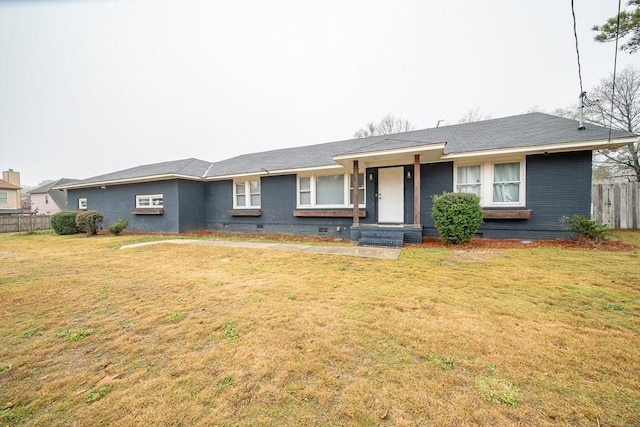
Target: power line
[(584, 101), (575, 34), (615, 66)]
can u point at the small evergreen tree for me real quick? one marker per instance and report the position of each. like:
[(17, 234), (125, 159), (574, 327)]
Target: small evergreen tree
[(588, 229)]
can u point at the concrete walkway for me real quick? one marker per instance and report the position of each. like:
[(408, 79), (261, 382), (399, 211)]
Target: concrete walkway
[(357, 251)]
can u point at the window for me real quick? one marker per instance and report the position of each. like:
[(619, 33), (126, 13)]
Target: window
[(3, 198), (506, 182), (46, 199), (82, 203), (304, 191), (469, 180), (360, 189), (246, 194), (149, 201), (329, 191), (496, 183)]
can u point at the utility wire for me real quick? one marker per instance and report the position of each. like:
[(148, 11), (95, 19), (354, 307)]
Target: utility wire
[(575, 34), (584, 101), (615, 66)]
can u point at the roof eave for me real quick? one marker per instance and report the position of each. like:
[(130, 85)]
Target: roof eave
[(427, 153), (546, 148), (265, 172), (136, 180)]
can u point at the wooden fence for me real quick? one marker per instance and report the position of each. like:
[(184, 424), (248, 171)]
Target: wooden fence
[(24, 222), (616, 204)]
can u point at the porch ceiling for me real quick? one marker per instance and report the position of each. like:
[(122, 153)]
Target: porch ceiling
[(430, 153)]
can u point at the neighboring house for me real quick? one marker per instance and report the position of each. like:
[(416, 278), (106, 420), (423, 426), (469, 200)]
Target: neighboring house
[(10, 192), (48, 201), (530, 171)]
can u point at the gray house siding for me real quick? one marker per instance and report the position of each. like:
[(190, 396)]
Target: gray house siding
[(278, 201), (218, 197), (191, 214), (435, 178), (198, 195), (116, 201), (557, 185)]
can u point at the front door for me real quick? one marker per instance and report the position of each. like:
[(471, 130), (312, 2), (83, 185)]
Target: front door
[(391, 195)]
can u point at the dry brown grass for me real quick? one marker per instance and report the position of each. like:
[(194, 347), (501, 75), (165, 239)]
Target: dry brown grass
[(197, 335)]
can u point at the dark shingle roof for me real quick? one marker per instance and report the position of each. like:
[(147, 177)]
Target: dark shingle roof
[(192, 168), (310, 156), (526, 130), (47, 187)]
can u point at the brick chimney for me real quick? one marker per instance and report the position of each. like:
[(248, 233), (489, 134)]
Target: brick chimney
[(12, 177)]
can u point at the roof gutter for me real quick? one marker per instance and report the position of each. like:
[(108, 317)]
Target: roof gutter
[(123, 181), (547, 148), (265, 172)]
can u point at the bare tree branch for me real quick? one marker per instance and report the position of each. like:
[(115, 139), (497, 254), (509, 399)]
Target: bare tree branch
[(626, 117), (388, 125), (473, 115)]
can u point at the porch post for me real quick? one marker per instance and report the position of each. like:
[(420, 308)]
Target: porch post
[(416, 190), (354, 197)]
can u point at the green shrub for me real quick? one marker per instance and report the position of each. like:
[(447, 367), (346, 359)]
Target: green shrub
[(89, 221), (64, 222), (117, 227), (588, 229), (457, 216)]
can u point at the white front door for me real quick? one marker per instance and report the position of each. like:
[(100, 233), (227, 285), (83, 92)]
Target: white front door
[(391, 195)]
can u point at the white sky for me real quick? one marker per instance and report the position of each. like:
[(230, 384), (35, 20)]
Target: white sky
[(94, 86)]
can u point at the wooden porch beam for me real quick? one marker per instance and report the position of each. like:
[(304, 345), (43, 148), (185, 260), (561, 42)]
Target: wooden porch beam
[(355, 198), (416, 190)]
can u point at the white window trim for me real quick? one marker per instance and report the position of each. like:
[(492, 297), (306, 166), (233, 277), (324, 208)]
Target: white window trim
[(486, 181), (346, 197), (82, 204), (140, 197), (247, 194)]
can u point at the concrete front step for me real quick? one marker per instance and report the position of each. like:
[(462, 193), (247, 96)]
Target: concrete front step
[(393, 239)]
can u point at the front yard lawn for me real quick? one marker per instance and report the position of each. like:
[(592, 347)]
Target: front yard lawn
[(198, 335)]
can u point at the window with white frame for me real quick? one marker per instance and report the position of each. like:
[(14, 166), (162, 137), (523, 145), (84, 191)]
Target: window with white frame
[(496, 183), (469, 179), (506, 182), (82, 203), (329, 191), (149, 201), (246, 194), (3, 198), (360, 189)]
